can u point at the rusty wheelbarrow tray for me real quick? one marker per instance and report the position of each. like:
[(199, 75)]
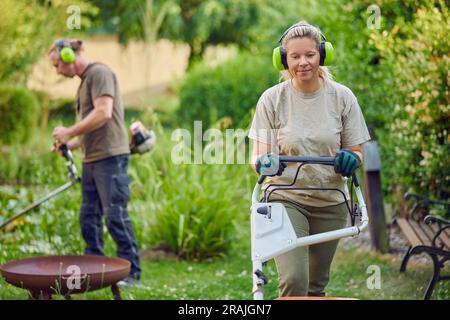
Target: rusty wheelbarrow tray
[(48, 275)]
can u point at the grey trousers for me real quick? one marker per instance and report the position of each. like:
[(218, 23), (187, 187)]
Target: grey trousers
[(305, 270)]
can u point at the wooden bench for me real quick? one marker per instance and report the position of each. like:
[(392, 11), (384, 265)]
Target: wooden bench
[(426, 234)]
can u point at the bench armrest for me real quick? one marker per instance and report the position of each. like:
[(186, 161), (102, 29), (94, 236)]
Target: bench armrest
[(424, 200), (443, 224), (434, 219)]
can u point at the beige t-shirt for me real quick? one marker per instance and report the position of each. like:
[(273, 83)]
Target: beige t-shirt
[(111, 139), (313, 124)]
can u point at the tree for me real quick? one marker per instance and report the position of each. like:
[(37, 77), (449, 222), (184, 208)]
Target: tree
[(194, 22), (27, 29), (419, 138)]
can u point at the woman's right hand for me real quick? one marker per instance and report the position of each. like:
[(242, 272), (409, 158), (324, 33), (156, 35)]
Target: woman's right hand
[(269, 165)]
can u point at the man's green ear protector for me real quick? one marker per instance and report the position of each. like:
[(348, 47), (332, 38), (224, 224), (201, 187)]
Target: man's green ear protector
[(66, 53), (279, 58)]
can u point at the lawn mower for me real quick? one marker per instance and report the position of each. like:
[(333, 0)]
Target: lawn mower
[(272, 233)]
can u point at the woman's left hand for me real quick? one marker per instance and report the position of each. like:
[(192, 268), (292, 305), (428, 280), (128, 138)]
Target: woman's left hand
[(346, 162)]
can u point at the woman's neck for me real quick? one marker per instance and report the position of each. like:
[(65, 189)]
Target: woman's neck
[(309, 86)]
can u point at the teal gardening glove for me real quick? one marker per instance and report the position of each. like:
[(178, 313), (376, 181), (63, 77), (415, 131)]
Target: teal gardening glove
[(346, 162), (269, 165)]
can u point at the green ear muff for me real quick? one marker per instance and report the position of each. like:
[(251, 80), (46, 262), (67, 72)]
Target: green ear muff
[(277, 59), (67, 55), (326, 51), (326, 54)]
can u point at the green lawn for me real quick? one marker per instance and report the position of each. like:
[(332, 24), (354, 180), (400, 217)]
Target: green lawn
[(229, 278)]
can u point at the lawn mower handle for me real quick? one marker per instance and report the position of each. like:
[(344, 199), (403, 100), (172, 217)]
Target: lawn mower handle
[(328, 161), (311, 160)]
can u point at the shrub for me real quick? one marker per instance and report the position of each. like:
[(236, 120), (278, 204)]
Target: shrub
[(195, 210), (50, 229), (230, 89), (62, 108), (18, 108), (27, 29), (419, 147)]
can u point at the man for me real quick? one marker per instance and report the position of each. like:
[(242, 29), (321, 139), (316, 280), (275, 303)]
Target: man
[(100, 132)]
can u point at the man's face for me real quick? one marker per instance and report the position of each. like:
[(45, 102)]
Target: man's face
[(66, 70)]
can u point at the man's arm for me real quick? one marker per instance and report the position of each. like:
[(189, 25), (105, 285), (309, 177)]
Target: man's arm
[(101, 113), (73, 143)]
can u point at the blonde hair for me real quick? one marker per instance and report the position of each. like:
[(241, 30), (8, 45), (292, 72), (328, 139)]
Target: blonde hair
[(300, 30)]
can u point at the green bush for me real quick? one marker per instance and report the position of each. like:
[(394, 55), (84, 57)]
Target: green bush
[(27, 166), (419, 145), (62, 108), (230, 89), (27, 29), (195, 210), (50, 229), (18, 108)]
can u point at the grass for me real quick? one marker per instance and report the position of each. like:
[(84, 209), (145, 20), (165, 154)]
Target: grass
[(229, 278), (351, 271)]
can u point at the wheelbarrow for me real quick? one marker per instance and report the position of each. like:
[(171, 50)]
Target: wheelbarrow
[(65, 275), (272, 233)]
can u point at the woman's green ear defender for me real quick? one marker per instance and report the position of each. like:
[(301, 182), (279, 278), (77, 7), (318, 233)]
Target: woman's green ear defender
[(66, 53), (279, 58)]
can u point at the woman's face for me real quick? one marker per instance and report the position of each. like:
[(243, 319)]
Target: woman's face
[(303, 59)]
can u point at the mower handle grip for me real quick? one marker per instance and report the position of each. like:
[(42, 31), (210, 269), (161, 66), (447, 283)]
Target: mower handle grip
[(328, 161), (309, 160)]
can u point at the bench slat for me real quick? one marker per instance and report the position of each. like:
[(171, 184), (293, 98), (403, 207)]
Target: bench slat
[(420, 233), (447, 232), (443, 237), (428, 230), (409, 232)]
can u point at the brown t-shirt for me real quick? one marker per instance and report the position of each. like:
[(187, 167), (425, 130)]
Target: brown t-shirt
[(111, 139), (313, 124)]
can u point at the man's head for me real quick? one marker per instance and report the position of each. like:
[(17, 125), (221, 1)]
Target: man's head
[(64, 54)]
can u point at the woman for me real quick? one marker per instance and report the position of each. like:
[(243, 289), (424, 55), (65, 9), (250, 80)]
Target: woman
[(308, 115)]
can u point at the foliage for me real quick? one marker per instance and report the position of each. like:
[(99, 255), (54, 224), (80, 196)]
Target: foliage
[(231, 278), (191, 209), (230, 90), (419, 138), (196, 23), (18, 107), (62, 108), (27, 29), (51, 229)]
